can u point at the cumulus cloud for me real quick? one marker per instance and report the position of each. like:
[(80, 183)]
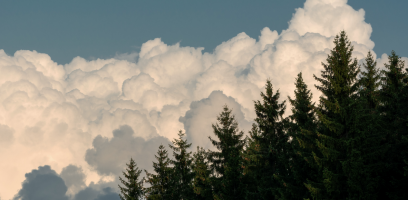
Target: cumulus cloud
[(74, 178), (6, 135), (202, 114), (92, 194), (43, 183), (381, 61), (327, 17), (109, 156), (63, 116)]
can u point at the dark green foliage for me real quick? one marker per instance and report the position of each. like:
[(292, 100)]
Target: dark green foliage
[(352, 145), (337, 116), (393, 109), (182, 172), (132, 188), (370, 82), (365, 149), (405, 137), (302, 129), (405, 97), (227, 162), (161, 185), (267, 153), (405, 157), (201, 182), (252, 158)]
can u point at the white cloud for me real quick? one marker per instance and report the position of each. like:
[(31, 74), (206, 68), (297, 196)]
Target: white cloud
[(328, 17), (381, 61), (52, 114), (202, 114)]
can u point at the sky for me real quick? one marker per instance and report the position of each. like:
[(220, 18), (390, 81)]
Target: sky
[(84, 86), (101, 29)]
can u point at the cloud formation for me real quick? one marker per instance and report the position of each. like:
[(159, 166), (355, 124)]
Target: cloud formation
[(41, 184), (92, 194), (202, 114), (45, 183), (85, 119), (74, 178), (109, 156)]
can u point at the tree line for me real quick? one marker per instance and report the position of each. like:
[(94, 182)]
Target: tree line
[(353, 144)]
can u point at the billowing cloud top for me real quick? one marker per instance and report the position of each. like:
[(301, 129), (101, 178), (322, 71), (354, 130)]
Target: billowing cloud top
[(87, 118)]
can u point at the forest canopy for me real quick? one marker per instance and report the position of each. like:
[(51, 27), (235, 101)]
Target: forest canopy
[(351, 144)]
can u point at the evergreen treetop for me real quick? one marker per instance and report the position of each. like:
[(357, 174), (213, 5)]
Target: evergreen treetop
[(352, 145), (161, 185), (270, 143), (182, 165), (201, 182), (302, 130), (132, 188), (337, 114), (370, 82), (394, 112), (365, 154), (226, 163)]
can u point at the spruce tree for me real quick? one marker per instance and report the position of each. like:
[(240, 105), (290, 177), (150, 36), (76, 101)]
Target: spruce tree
[(370, 83), (182, 172), (252, 158), (337, 116), (302, 129), (201, 182), (269, 147), (394, 114), (132, 188), (161, 185), (405, 137), (365, 151), (227, 161), (406, 157)]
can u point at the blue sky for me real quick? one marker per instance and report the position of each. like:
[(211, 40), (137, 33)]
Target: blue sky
[(100, 29), (85, 85)]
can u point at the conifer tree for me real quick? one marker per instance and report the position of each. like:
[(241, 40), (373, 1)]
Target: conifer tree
[(370, 82), (405, 137), (182, 164), (365, 156), (337, 115), (201, 181), (161, 185), (405, 156), (302, 129), (132, 188), (227, 161), (270, 146), (252, 158), (394, 114)]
